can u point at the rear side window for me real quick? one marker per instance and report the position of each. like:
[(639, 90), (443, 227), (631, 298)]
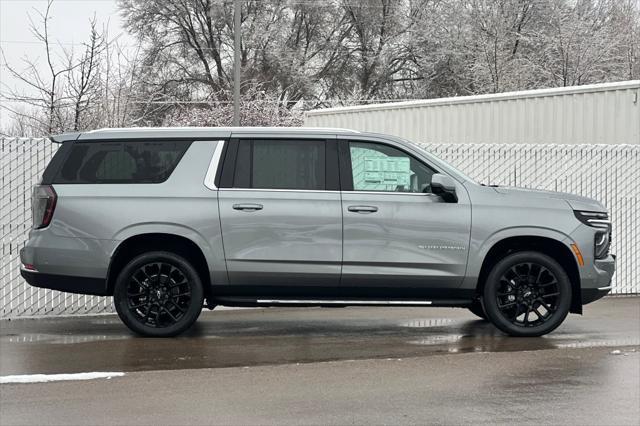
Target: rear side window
[(121, 162), (280, 164)]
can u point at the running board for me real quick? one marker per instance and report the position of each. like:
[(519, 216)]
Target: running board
[(343, 302), (257, 301)]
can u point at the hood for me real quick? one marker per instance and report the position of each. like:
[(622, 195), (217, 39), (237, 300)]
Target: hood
[(576, 202)]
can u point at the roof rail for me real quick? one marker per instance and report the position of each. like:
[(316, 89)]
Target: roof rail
[(196, 132)]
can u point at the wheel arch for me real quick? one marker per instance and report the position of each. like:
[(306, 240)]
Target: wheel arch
[(142, 243), (552, 247)]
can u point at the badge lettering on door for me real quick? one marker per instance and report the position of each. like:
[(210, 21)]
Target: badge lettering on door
[(436, 247)]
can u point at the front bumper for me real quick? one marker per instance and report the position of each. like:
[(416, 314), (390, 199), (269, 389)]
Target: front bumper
[(600, 285), (592, 294)]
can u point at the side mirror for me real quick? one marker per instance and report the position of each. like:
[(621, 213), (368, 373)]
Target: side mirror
[(445, 187)]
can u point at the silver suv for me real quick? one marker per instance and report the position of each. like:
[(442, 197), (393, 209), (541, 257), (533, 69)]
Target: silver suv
[(166, 220)]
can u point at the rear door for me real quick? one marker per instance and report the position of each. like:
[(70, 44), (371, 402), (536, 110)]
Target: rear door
[(280, 213), (399, 239)]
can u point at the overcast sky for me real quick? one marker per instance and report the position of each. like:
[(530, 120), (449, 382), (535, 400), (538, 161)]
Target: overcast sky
[(69, 24)]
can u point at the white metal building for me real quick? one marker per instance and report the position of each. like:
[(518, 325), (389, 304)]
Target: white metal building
[(596, 114)]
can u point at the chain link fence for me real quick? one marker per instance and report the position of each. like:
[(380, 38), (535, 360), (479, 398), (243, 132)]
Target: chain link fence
[(22, 162), (609, 173)]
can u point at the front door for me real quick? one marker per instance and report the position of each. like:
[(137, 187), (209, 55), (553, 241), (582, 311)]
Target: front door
[(397, 234), (281, 214)]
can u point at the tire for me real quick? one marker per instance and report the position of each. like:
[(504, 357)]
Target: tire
[(477, 309), (527, 294), (158, 294)]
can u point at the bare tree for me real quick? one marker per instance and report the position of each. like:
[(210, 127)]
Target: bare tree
[(83, 79), (71, 91), (120, 73), (626, 14), (581, 42), (498, 30), (317, 53), (45, 86)]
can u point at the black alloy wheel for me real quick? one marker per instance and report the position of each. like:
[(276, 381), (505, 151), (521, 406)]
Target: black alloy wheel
[(158, 294), (527, 294)]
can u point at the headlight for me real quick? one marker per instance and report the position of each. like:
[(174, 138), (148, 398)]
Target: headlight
[(602, 239), (595, 219), (602, 242)]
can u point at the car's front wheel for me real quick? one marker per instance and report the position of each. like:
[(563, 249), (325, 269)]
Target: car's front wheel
[(527, 294), (158, 294)]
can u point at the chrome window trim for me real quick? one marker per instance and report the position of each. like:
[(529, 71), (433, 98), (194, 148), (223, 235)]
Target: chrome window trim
[(420, 194), (413, 194), (278, 190), (210, 177)]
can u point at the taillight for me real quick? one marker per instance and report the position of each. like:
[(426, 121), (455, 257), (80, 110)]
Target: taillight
[(43, 205)]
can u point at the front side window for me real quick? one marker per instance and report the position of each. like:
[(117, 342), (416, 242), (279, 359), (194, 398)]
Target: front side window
[(378, 167), (280, 164), (121, 162)]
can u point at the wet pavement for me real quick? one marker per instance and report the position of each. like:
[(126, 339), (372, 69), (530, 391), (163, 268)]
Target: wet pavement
[(250, 337), (329, 366), (591, 386)]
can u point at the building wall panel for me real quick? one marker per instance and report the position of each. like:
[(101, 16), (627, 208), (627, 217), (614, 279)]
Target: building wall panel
[(595, 114)]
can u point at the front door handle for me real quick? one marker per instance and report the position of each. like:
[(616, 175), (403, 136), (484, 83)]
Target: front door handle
[(363, 209), (247, 207)]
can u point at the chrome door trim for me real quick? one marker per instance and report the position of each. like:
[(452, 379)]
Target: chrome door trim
[(210, 177), (280, 190)]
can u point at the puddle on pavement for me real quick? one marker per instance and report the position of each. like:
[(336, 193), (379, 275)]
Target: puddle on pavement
[(427, 323), (438, 339), (599, 343), (57, 339)]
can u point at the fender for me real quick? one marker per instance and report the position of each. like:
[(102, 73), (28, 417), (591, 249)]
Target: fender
[(211, 248), (479, 252)]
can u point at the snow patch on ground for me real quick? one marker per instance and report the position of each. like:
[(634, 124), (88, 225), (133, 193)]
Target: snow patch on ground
[(42, 378)]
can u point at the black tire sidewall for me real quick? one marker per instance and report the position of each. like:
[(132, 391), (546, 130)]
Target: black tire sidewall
[(491, 285), (120, 299)]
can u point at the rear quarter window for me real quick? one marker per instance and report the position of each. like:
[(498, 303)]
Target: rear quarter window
[(121, 162)]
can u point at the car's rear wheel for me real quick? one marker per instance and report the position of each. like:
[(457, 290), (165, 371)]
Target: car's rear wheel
[(527, 294), (158, 294), (477, 309)]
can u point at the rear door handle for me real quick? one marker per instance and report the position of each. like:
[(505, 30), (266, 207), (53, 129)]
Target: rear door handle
[(363, 209), (247, 207)]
